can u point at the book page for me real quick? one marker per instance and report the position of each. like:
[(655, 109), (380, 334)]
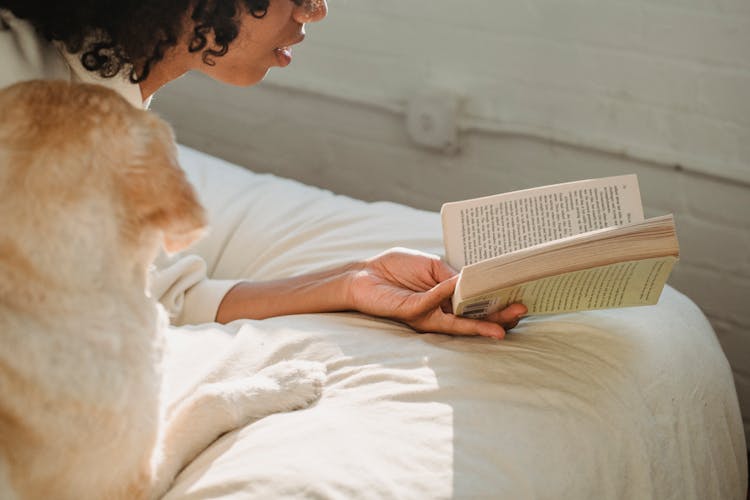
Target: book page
[(623, 284), (654, 237), (482, 228)]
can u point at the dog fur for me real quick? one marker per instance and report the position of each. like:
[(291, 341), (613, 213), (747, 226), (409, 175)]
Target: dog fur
[(89, 190)]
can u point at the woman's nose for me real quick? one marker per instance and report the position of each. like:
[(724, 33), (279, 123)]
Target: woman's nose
[(310, 11)]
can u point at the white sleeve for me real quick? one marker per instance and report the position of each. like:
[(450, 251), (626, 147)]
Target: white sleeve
[(182, 287)]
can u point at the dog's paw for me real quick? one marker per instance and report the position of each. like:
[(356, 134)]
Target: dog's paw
[(299, 382), (284, 386)]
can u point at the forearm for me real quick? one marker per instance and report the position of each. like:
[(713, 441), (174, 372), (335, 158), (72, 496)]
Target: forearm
[(323, 291)]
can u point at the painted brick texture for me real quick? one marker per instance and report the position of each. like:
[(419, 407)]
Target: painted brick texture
[(662, 80)]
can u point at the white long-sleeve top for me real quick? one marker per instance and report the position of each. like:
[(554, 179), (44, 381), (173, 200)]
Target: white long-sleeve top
[(179, 283)]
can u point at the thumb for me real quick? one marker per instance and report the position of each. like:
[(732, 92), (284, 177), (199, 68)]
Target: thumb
[(443, 270), (440, 292)]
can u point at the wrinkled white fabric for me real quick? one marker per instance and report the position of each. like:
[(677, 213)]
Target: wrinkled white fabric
[(624, 403)]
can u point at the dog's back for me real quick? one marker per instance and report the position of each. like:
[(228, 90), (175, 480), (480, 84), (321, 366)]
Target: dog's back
[(72, 414), (89, 190), (85, 183)]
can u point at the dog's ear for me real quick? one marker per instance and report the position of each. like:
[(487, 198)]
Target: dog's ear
[(156, 191)]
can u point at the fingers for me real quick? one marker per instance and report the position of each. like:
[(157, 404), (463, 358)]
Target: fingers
[(439, 319), (508, 317), (511, 325), (441, 322), (494, 326)]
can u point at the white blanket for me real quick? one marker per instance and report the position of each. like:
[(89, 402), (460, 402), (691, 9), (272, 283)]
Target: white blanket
[(628, 403)]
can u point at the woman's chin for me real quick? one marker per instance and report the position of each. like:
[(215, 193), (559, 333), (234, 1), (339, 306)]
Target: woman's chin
[(239, 78), (247, 81)]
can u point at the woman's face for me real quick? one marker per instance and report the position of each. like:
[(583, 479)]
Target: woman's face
[(265, 42)]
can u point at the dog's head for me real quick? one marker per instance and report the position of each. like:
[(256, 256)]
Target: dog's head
[(77, 156)]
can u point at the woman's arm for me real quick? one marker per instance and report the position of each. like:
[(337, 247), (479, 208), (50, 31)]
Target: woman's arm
[(324, 291), (404, 285)]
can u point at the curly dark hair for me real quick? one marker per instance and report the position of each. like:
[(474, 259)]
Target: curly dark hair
[(131, 35)]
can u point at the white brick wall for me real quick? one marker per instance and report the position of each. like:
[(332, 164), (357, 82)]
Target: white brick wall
[(566, 89), (661, 80)]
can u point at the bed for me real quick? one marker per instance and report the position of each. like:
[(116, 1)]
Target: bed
[(630, 403)]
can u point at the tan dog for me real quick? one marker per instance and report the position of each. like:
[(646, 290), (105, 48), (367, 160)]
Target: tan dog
[(89, 189)]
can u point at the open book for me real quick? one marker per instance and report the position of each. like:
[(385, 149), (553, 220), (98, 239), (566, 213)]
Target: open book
[(567, 247)]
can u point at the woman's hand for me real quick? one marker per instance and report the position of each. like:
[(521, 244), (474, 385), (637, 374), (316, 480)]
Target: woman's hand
[(415, 288), (405, 285)]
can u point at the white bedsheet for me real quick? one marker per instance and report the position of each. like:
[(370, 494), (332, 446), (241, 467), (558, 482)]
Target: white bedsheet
[(630, 403)]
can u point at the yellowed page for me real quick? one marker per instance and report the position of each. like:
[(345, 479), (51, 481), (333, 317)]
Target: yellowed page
[(482, 228), (655, 237), (631, 283)]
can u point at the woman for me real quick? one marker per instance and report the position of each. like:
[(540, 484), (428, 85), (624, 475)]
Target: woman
[(136, 47)]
